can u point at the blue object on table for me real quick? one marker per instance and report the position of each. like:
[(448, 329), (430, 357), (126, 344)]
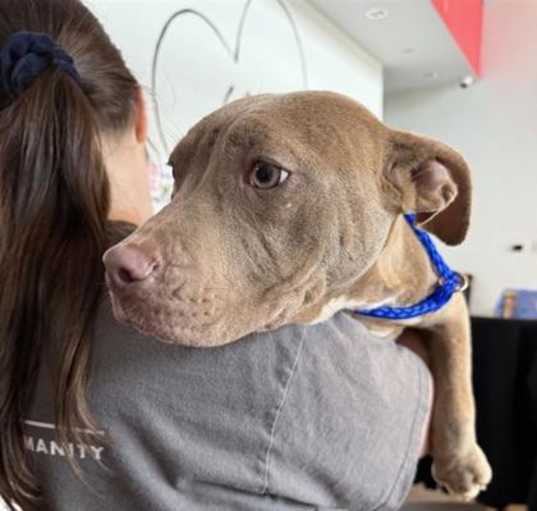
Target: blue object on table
[(525, 304)]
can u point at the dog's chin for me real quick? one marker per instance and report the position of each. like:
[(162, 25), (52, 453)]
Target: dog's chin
[(164, 327)]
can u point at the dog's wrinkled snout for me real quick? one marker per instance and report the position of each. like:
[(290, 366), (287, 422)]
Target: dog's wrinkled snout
[(129, 264)]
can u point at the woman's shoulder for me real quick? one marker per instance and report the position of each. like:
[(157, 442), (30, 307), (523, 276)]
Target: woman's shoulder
[(303, 412)]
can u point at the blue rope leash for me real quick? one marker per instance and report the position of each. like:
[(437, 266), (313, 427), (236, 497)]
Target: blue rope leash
[(449, 283)]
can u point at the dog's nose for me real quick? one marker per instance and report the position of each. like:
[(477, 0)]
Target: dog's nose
[(128, 264)]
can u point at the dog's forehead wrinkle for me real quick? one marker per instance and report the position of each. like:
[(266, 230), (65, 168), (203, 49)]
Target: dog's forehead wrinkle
[(242, 137), (212, 136), (251, 130), (247, 142)]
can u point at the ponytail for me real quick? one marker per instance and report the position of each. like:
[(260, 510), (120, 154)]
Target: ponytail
[(53, 206)]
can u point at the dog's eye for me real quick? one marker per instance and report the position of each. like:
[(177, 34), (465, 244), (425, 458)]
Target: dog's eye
[(265, 175)]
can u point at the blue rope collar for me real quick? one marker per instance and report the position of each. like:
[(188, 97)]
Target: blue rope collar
[(449, 282)]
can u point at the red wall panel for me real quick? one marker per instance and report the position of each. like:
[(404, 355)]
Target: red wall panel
[(464, 19)]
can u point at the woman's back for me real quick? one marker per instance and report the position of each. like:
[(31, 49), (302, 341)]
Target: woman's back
[(302, 419)]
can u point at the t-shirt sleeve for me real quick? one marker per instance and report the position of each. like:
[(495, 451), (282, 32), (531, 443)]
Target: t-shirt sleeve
[(351, 423)]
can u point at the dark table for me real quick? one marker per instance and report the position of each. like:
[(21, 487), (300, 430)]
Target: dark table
[(505, 384)]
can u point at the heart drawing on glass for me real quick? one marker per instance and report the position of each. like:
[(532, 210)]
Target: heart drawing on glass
[(233, 52)]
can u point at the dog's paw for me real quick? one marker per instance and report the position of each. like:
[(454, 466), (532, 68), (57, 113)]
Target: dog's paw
[(464, 475)]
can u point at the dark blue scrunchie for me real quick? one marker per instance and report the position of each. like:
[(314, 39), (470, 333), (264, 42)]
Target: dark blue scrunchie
[(25, 56)]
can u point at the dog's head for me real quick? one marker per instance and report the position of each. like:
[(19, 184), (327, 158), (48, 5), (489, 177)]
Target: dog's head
[(280, 202)]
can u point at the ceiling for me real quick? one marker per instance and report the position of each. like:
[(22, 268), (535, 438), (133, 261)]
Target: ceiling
[(411, 41)]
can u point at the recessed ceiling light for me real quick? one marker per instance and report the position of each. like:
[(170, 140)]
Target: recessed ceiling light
[(376, 13), (408, 51), (431, 75), (467, 81)]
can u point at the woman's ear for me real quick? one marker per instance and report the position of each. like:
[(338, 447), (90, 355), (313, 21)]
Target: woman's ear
[(431, 180), (141, 125)]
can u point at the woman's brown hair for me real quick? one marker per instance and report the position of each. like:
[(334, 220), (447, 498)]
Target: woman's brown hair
[(54, 203)]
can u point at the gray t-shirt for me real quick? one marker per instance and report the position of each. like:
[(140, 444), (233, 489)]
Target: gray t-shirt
[(321, 417)]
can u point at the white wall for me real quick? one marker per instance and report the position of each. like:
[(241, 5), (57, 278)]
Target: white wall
[(494, 125), (197, 68)]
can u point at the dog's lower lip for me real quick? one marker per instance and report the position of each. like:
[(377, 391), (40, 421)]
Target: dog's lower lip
[(119, 312)]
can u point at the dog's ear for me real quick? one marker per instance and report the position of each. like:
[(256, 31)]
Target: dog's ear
[(432, 180)]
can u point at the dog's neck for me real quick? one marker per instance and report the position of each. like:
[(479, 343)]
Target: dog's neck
[(392, 280)]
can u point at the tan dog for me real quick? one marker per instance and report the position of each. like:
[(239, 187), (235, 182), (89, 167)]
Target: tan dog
[(286, 209)]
